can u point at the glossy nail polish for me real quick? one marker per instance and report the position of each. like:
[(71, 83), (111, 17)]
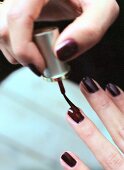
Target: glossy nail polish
[(76, 115), (34, 69), (90, 85), (67, 50), (68, 159), (63, 92), (114, 91)]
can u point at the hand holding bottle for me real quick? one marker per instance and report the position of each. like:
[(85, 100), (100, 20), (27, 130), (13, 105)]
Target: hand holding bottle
[(92, 18)]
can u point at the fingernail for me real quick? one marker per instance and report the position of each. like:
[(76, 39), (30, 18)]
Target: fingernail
[(67, 50), (34, 69), (114, 91), (90, 85), (76, 115), (68, 159)]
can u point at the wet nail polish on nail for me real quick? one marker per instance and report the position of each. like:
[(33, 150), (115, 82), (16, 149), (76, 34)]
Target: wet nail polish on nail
[(90, 85), (67, 50), (68, 159), (34, 69), (76, 115), (112, 88)]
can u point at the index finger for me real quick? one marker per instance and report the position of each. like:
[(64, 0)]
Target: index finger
[(20, 23)]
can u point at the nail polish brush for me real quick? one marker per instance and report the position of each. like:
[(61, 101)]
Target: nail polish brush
[(55, 70)]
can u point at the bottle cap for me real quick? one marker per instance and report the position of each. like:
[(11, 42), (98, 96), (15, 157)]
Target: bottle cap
[(45, 40)]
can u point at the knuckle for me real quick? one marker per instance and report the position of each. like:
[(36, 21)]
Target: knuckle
[(94, 32), (12, 15), (25, 18), (113, 161), (104, 103), (88, 130)]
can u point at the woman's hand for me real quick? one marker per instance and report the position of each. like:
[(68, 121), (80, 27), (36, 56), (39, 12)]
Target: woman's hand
[(92, 19), (109, 106)]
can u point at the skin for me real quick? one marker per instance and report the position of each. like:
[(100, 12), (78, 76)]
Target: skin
[(92, 18), (111, 112)]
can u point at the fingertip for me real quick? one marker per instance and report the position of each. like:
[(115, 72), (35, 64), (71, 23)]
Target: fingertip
[(30, 57), (34, 59), (67, 49), (68, 45), (88, 85), (113, 90), (68, 160), (75, 116), (34, 69)]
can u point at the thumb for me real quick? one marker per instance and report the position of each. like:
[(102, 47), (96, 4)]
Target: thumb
[(86, 30)]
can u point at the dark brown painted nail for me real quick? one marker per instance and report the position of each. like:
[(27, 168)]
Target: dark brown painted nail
[(112, 88), (90, 85), (67, 50), (68, 159), (76, 115), (34, 69)]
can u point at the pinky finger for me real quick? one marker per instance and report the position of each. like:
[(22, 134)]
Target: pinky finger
[(71, 162), (8, 56)]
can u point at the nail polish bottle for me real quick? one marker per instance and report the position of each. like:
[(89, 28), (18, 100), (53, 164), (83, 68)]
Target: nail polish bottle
[(55, 70), (45, 40)]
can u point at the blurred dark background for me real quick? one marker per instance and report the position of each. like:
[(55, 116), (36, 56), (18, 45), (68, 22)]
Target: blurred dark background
[(104, 62)]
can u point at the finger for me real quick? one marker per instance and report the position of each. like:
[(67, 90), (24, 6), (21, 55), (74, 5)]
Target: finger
[(8, 56), (108, 112), (70, 161), (1, 3), (104, 151), (116, 94), (5, 46), (86, 30), (20, 21), (60, 10)]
